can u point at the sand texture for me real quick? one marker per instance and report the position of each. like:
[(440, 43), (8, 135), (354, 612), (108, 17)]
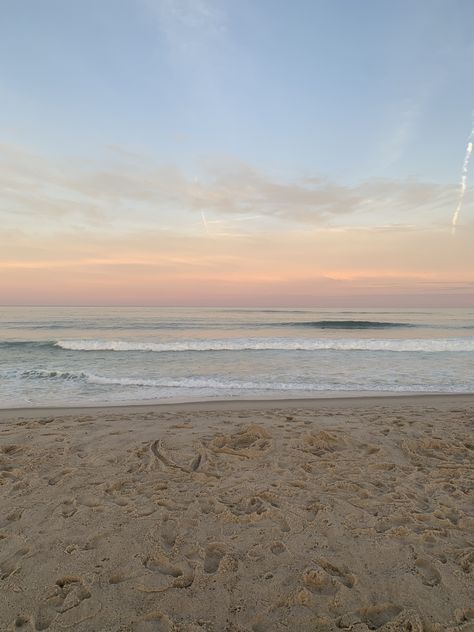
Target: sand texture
[(335, 516)]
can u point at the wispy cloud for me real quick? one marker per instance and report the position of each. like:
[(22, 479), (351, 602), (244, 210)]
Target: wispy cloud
[(401, 128), (189, 26), (146, 193)]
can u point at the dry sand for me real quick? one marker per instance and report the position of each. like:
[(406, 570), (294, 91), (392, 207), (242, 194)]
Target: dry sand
[(265, 517)]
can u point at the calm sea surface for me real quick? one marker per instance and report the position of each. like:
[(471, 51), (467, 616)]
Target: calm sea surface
[(55, 356)]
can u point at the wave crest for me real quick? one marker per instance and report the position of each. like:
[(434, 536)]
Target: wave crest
[(350, 324), (274, 344)]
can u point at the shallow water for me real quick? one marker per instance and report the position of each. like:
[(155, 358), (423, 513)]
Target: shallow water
[(59, 356)]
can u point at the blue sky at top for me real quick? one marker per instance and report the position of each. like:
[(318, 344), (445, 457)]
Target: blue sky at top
[(342, 89)]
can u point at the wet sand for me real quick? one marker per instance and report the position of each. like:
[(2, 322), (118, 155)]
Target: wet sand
[(302, 515)]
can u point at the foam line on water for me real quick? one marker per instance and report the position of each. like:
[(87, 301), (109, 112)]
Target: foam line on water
[(435, 345), (211, 384)]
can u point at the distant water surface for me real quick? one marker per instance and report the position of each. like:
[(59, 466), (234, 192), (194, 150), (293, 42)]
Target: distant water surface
[(61, 356)]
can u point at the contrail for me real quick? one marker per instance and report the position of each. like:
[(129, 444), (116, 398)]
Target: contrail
[(204, 222), (464, 171), (203, 217)]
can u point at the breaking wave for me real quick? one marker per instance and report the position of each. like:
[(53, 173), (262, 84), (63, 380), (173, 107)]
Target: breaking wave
[(191, 382), (211, 385), (274, 344)]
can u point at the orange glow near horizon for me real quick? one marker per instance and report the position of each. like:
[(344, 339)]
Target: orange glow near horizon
[(284, 270), (152, 236)]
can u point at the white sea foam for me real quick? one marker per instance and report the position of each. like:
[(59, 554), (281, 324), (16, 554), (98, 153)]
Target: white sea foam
[(433, 345), (185, 382), (208, 385), (198, 383)]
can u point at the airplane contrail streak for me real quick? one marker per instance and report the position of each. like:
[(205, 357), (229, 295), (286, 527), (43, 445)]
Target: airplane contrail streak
[(204, 222), (464, 172)]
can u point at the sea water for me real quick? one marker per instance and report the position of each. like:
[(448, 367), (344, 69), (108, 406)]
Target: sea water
[(85, 355)]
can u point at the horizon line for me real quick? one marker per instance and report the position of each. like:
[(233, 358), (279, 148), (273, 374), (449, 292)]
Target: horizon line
[(256, 307)]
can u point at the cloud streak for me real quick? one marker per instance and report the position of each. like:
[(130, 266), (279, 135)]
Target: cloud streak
[(190, 27), (32, 185), (129, 231)]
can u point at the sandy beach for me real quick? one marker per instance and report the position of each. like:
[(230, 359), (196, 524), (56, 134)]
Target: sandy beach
[(303, 515)]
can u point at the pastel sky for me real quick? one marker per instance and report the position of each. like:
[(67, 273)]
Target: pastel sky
[(236, 152)]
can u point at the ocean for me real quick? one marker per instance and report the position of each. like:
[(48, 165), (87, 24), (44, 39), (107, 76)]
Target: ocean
[(110, 355)]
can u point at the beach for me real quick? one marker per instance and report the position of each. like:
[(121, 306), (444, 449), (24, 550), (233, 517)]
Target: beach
[(260, 516), (237, 316)]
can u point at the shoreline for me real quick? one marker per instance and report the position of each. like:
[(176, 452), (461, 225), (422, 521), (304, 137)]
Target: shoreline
[(306, 403)]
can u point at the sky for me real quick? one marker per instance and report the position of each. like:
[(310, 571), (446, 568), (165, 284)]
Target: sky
[(223, 153)]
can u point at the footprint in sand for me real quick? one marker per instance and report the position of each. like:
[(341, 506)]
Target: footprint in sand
[(213, 556), (119, 577), (169, 531), (378, 615), (318, 581), (54, 480), (343, 576), (68, 508), (429, 575), (160, 564), (16, 514), (118, 492), (277, 548), (210, 505), (11, 449), (281, 521), (465, 559), (249, 442), (462, 616), (320, 443), (10, 564), (313, 507), (70, 603), (407, 620), (183, 574), (89, 500), (385, 617), (327, 579), (154, 622), (248, 506), (23, 623)]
